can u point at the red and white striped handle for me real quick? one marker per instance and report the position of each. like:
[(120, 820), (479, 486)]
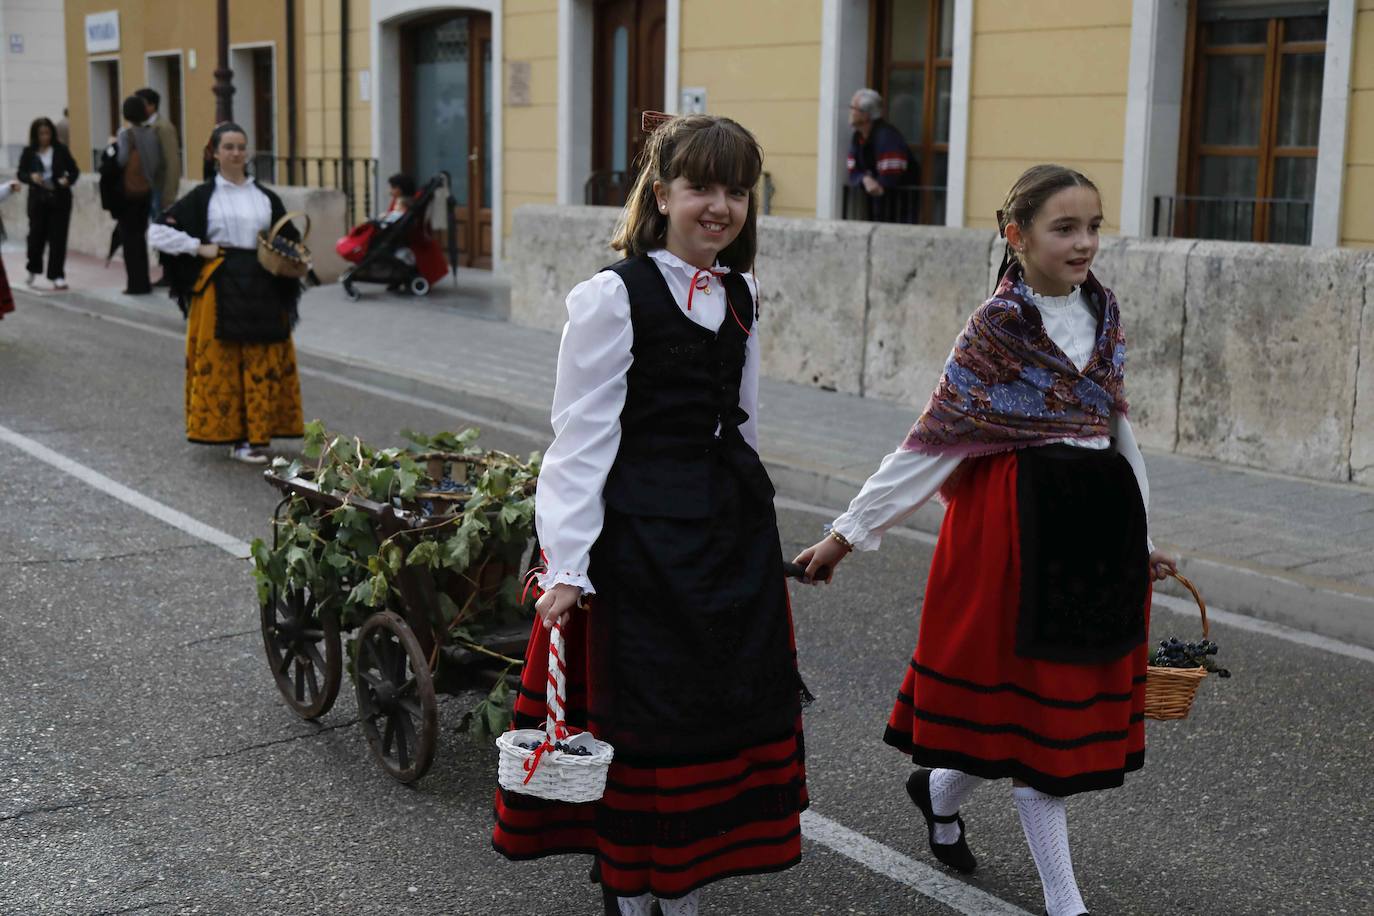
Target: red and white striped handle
[(556, 726)]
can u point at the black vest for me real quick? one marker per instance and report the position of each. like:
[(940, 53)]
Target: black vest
[(682, 386)]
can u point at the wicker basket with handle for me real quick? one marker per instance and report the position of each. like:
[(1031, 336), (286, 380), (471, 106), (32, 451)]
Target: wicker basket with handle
[(545, 771), (1169, 692), (283, 257)]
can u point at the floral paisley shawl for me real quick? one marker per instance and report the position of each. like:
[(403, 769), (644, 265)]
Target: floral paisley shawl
[(1006, 385)]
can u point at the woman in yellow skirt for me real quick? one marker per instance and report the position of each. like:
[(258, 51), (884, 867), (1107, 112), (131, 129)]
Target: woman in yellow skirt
[(242, 388)]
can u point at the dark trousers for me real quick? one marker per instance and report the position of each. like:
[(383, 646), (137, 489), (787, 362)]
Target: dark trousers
[(50, 214), (133, 235)]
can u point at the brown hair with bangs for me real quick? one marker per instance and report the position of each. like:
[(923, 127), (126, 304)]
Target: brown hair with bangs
[(704, 149)]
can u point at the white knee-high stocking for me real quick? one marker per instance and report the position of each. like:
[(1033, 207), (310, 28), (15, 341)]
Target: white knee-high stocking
[(635, 906), (1046, 824), (949, 789), (682, 906)]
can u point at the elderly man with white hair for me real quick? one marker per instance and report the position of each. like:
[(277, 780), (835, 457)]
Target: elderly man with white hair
[(879, 159)]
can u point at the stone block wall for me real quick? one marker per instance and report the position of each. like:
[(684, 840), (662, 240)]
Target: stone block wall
[(1259, 355)]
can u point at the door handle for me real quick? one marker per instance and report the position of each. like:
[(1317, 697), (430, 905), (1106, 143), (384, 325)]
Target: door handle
[(472, 156)]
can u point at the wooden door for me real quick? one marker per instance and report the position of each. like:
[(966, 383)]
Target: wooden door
[(628, 56), (446, 121)]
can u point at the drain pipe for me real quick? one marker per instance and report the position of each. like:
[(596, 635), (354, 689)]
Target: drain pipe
[(291, 149), (343, 103)]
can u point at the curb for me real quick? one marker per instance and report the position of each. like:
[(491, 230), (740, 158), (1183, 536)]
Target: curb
[(1307, 603)]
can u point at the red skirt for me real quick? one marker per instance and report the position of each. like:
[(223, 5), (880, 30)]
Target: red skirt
[(6, 297), (660, 829), (969, 702)]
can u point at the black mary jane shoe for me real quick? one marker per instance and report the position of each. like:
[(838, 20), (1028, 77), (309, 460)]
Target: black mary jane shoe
[(956, 855)]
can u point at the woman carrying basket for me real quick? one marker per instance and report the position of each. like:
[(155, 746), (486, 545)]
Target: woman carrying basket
[(242, 389), (1031, 658), (662, 550)]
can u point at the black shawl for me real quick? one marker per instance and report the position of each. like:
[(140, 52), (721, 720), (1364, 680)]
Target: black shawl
[(191, 215)]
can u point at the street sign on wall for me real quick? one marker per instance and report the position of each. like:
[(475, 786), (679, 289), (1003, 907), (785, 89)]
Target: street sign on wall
[(102, 32)]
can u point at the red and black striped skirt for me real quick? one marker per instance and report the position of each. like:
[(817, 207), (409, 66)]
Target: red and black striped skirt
[(970, 702), (6, 297), (666, 826)]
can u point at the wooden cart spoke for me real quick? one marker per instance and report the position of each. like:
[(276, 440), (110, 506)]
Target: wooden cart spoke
[(400, 712), (296, 632)]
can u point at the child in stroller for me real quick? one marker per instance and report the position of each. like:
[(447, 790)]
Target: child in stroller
[(397, 248)]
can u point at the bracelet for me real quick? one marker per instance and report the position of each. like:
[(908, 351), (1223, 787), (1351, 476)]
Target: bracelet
[(841, 540)]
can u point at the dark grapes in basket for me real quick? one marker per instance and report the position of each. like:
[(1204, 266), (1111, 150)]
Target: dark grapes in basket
[(1174, 653)]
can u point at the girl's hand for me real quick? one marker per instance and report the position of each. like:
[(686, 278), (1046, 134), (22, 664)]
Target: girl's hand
[(1162, 565), (555, 604), (208, 250), (825, 555), (36, 177), (63, 181), (16, 185)]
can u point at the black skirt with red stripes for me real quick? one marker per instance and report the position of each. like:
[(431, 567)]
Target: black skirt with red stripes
[(686, 664), (980, 694)]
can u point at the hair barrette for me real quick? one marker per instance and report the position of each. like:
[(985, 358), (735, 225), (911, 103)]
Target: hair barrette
[(650, 121)]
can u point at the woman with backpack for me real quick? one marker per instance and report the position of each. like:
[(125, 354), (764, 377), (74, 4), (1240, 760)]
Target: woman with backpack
[(139, 158)]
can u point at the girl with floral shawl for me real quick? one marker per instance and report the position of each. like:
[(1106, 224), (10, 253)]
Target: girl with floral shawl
[(1030, 662)]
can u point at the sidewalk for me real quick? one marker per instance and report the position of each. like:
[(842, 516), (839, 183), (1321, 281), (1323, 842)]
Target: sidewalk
[(1293, 551)]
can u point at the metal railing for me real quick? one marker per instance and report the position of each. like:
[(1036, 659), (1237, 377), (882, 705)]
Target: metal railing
[(607, 188), (915, 204), (1236, 219), (358, 177)]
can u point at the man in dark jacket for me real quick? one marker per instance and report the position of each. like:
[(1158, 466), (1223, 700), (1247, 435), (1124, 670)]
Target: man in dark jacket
[(879, 162), (139, 157)]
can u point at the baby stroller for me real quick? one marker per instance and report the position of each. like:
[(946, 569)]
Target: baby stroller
[(378, 249)]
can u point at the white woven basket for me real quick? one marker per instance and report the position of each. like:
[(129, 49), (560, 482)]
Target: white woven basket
[(545, 771)]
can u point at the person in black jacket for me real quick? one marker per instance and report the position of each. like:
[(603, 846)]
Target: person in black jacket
[(242, 387), (47, 167), (139, 157)]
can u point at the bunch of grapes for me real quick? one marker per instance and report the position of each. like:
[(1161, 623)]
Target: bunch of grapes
[(1173, 653), (575, 750), (449, 485)]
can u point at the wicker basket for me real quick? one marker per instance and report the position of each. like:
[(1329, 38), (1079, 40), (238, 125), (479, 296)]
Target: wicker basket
[(282, 257), (1169, 692), (546, 772)]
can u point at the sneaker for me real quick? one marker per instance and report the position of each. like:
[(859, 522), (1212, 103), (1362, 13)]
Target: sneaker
[(32, 276), (59, 283), (247, 454)]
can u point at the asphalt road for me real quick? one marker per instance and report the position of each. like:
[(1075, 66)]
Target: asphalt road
[(147, 764)]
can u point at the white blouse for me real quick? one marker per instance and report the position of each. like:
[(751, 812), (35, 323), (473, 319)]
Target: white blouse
[(588, 396), (905, 480), (238, 212)]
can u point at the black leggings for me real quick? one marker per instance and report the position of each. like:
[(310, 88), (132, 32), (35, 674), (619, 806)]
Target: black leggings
[(50, 213)]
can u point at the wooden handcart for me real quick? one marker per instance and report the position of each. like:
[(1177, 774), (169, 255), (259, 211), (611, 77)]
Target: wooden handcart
[(402, 655)]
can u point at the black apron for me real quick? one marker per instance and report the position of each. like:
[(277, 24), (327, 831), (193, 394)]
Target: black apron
[(251, 305), (1084, 555), (690, 636)]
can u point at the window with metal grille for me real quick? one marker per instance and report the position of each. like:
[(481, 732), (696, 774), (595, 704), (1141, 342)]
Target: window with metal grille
[(1252, 98)]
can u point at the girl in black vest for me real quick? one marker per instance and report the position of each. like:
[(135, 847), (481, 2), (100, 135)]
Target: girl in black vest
[(47, 167), (662, 551), (242, 388)]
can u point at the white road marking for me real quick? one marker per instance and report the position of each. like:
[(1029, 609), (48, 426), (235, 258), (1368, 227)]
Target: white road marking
[(146, 504), (928, 881), (1239, 621)]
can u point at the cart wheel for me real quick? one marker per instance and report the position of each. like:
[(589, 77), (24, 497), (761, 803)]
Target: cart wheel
[(351, 292), (303, 650), (396, 704), (419, 286)]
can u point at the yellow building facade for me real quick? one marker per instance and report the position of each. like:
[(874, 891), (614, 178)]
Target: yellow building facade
[(534, 101)]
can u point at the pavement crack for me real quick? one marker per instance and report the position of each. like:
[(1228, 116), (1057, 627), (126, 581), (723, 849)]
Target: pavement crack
[(254, 747), (216, 638), (85, 803), (52, 561)]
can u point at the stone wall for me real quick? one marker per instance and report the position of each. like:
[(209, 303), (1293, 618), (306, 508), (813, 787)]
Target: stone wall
[(91, 226), (1260, 355)]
